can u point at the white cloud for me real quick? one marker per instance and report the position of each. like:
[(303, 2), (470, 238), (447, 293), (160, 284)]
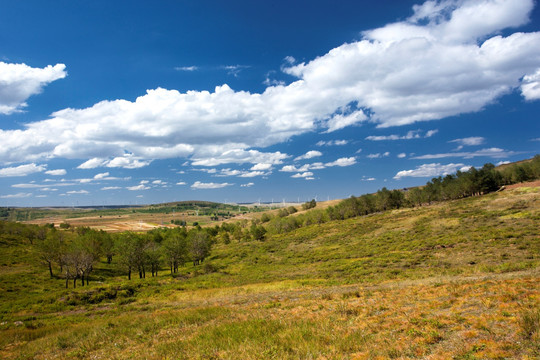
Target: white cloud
[(502, 163), (430, 133), (431, 170), (181, 183), (77, 192), (261, 167), (413, 134), (58, 172), (215, 156), (101, 175), (235, 69), (40, 186), (16, 196), (332, 143), (125, 161), (247, 185), (491, 152), (469, 141), (251, 174), (19, 81), (305, 167), (340, 121), (402, 155), (289, 60), (530, 87), (342, 162), (111, 188), (443, 61), (22, 170), (138, 187), (412, 71), (378, 155), (91, 164), (186, 68), (304, 175), (292, 168), (309, 155), (200, 185)]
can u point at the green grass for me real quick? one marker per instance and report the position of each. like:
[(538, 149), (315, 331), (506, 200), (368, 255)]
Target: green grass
[(453, 280)]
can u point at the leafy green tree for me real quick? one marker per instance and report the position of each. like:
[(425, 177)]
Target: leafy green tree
[(175, 249), (52, 250), (199, 245)]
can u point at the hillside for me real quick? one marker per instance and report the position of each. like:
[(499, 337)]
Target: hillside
[(459, 279)]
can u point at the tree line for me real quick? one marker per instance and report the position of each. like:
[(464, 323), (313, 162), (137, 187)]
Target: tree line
[(72, 253), (450, 187)]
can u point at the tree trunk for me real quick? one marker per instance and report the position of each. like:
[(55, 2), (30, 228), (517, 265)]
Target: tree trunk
[(74, 282), (67, 280), (50, 269), (129, 274)]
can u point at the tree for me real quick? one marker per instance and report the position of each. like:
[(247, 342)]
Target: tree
[(258, 232), (127, 248), (51, 249), (175, 249), (309, 205), (199, 243)]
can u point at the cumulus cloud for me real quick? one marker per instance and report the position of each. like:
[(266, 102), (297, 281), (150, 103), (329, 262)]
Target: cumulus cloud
[(57, 172), (213, 157), (530, 88), (247, 185), (402, 155), (22, 170), (342, 162), (446, 59), (261, 167), (200, 185), (19, 81), (308, 175), (491, 152), (126, 162), (431, 170), (309, 155), (181, 183)]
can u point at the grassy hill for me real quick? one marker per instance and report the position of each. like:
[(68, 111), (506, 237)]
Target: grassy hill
[(458, 279)]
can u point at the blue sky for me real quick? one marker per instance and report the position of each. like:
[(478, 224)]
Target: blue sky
[(137, 102)]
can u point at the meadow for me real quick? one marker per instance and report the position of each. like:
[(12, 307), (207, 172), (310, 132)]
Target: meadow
[(453, 280)]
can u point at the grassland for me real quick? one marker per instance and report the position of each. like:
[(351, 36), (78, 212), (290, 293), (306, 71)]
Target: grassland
[(136, 218), (454, 280)]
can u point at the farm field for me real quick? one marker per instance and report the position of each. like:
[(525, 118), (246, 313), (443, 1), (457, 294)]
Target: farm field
[(453, 280)]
